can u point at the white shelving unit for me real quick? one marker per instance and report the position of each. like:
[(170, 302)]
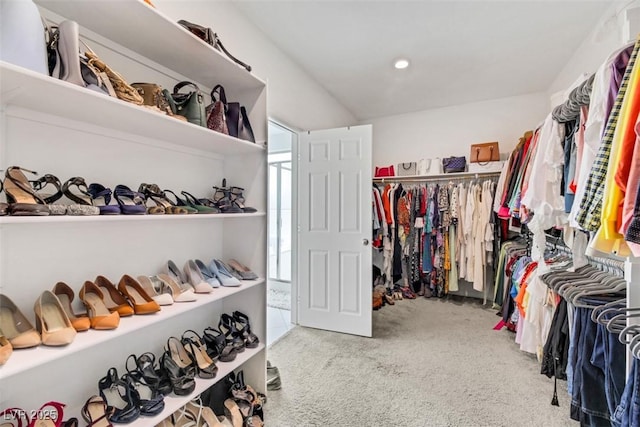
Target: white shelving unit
[(55, 127)]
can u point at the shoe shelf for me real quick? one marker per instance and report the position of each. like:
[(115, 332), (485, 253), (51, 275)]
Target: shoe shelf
[(172, 402), (148, 32), (122, 218), (25, 359), (33, 91)]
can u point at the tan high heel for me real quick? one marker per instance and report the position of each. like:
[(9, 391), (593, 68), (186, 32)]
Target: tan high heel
[(205, 366), (204, 415), (21, 197), (113, 299), (65, 295), (154, 288), (99, 315), (15, 326), (177, 293), (141, 301), (52, 322), (5, 349), (232, 411)]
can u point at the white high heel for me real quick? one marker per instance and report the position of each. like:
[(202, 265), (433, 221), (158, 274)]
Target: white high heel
[(196, 279), (177, 293), (155, 288)]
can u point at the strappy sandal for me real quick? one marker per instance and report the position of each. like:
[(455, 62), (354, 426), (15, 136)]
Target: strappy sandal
[(101, 197), (199, 206), (131, 202), (96, 412), (84, 204), (251, 340), (217, 346), (222, 199), (179, 202), (40, 184), (153, 193), (236, 197), (23, 201)]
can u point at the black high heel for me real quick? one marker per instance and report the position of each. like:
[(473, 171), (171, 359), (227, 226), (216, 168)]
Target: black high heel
[(227, 326), (116, 392), (180, 373), (148, 399), (250, 339), (217, 346), (205, 366), (145, 369), (21, 197)]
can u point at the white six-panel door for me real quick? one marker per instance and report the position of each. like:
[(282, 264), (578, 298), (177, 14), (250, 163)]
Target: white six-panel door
[(334, 252)]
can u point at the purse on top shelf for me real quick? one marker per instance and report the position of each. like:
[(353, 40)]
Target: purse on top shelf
[(189, 105), (484, 153), (407, 169), (454, 164)]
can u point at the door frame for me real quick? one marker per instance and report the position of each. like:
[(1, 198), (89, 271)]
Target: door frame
[(295, 157)]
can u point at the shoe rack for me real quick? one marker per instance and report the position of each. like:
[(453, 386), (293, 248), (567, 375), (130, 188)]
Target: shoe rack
[(51, 126)]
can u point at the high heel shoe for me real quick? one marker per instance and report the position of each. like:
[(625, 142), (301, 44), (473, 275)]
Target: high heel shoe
[(96, 412), (203, 415), (131, 202), (232, 411), (250, 339), (181, 374), (113, 298), (217, 346), (152, 192), (207, 274), (180, 355), (145, 368), (172, 270), (237, 199), (99, 315), (43, 182), (195, 278), (154, 287), (52, 322), (118, 394), (82, 198), (205, 366), (65, 295), (227, 326), (179, 202), (23, 201), (101, 197), (222, 274), (177, 293), (6, 349), (141, 301), (244, 271), (15, 326), (148, 399), (199, 206), (51, 414)]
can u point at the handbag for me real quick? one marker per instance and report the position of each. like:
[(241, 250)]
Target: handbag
[(216, 118), (384, 171), (154, 98), (407, 169), (245, 131), (189, 105), (236, 117), (484, 153), (454, 164), (211, 38), (423, 167), (66, 63), (123, 90)]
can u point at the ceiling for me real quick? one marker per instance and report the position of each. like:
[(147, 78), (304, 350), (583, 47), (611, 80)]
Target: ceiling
[(460, 51)]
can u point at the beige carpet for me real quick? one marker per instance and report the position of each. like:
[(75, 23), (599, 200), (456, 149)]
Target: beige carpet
[(430, 363)]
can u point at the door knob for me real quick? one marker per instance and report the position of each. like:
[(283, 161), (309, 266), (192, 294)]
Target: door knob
[(365, 242)]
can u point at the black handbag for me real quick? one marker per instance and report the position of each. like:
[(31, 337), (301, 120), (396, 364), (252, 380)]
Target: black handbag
[(454, 164), (208, 36), (190, 105), (236, 116)]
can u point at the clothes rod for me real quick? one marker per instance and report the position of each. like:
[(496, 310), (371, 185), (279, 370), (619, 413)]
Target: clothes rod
[(439, 177)]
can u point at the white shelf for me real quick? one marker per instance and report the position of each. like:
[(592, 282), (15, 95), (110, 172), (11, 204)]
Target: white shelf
[(148, 32), (172, 402), (442, 176), (25, 359), (122, 218), (27, 89)]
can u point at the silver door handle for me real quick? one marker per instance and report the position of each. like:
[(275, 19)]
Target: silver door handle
[(365, 242)]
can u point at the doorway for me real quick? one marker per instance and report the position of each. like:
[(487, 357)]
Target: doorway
[(282, 143)]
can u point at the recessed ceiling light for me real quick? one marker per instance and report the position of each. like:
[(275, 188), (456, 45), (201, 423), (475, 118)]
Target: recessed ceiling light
[(401, 64)]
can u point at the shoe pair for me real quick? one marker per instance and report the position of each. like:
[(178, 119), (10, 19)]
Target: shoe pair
[(195, 413)]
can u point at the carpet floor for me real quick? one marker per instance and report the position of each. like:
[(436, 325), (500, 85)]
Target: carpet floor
[(430, 363)]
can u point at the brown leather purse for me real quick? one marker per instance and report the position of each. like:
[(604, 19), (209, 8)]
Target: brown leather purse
[(485, 152)]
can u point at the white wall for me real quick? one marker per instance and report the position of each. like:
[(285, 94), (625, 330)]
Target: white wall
[(293, 97), (449, 131), (607, 36)]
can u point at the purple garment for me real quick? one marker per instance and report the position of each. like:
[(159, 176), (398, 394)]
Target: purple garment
[(618, 67)]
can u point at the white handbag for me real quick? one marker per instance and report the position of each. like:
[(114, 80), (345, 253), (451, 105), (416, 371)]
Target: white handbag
[(429, 167), (22, 39)]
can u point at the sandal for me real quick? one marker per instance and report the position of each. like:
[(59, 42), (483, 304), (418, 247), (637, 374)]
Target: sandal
[(236, 197), (179, 202), (198, 205), (23, 201), (96, 412), (222, 198), (217, 346), (152, 192), (250, 339), (84, 202), (39, 184), (101, 197), (117, 393), (131, 202)]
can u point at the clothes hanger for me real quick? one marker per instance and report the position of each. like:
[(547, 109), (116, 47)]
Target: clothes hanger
[(610, 285), (598, 313), (619, 321)]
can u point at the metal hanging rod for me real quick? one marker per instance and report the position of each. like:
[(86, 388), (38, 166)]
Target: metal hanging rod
[(440, 177)]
